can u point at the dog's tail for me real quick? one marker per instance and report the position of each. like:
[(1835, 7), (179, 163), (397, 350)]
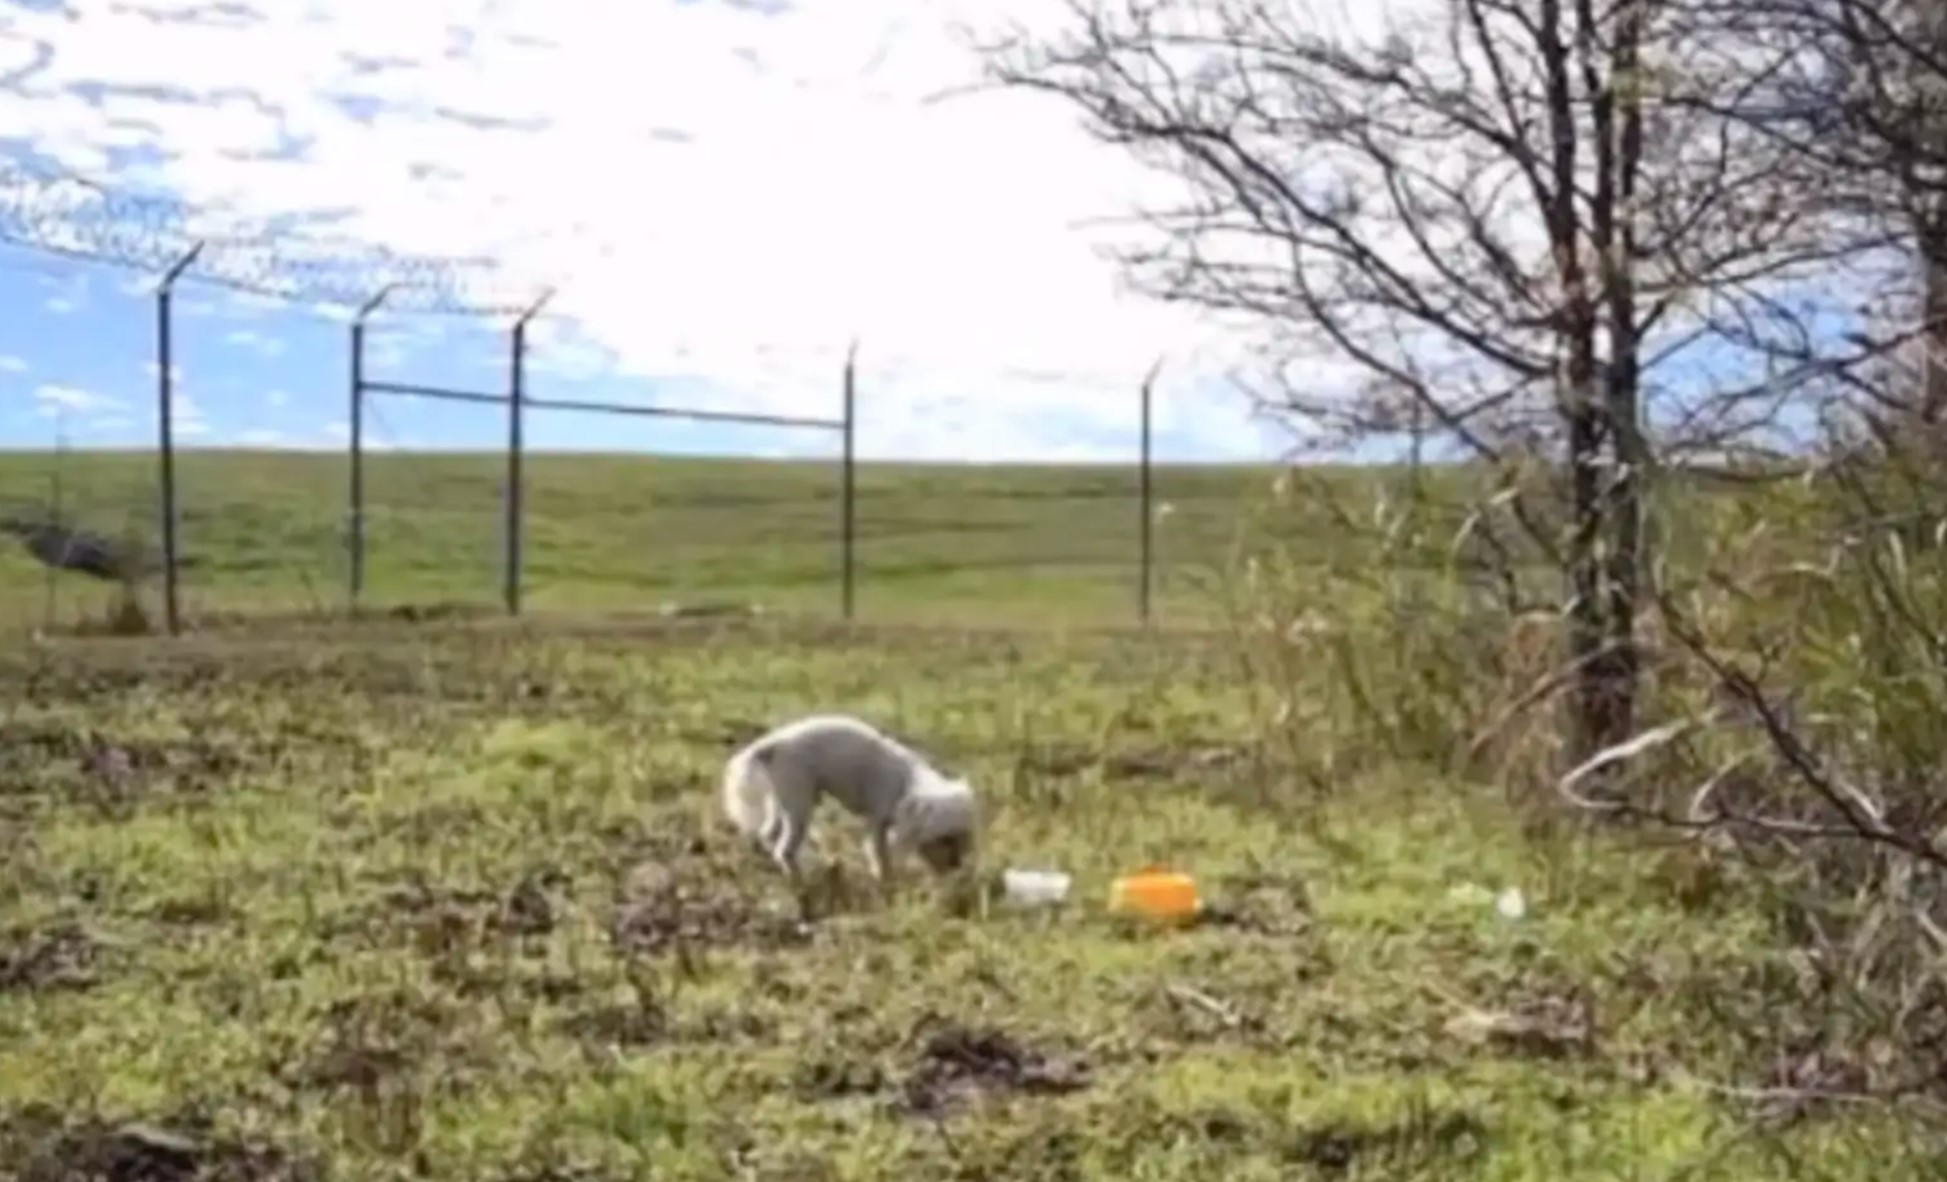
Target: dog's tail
[(749, 796)]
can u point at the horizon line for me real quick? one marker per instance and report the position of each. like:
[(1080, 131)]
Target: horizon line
[(373, 453)]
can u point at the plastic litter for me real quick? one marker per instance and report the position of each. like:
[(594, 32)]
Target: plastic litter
[(1511, 903), (1156, 893), (1035, 888)]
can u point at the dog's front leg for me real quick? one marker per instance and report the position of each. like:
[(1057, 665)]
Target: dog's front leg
[(878, 854)]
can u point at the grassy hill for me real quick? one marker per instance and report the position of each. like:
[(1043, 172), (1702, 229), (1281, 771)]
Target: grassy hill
[(935, 542), (312, 900), (618, 532)]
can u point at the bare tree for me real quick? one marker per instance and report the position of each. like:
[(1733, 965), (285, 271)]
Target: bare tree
[(1528, 218), (1816, 630)]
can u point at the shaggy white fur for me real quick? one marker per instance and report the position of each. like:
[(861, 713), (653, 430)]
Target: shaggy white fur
[(772, 785)]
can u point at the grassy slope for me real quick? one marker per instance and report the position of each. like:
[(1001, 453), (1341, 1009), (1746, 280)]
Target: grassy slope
[(620, 531), (380, 897), (462, 902)]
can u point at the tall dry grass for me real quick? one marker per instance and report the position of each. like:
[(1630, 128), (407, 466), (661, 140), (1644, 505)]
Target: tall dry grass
[(1794, 705)]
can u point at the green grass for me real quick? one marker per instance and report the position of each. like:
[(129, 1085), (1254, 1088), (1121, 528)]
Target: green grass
[(618, 532), (266, 532), (454, 904)]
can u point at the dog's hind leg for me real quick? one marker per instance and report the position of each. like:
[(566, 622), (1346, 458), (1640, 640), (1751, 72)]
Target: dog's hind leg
[(786, 838), (782, 840)]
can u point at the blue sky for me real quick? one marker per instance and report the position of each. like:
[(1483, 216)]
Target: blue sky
[(725, 192), (77, 364)]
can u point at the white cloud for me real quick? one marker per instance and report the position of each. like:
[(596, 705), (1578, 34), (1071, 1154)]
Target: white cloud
[(262, 438), (12, 364), (54, 400), (264, 346), (722, 193), (153, 370), (338, 433), (61, 306), (188, 417), (277, 398)]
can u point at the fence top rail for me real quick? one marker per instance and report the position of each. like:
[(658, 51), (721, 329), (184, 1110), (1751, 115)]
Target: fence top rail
[(411, 390), (755, 418)]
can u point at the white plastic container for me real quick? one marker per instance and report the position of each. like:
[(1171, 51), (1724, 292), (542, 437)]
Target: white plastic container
[(1035, 888)]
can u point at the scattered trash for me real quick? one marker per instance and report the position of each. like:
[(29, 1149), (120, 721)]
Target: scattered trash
[(1511, 904), (1156, 894), (1036, 888)]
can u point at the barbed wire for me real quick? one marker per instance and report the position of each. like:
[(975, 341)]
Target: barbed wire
[(64, 214)]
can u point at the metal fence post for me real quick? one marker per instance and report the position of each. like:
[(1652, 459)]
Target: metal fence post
[(355, 538), (516, 398), (166, 432), (1146, 499), (848, 495)]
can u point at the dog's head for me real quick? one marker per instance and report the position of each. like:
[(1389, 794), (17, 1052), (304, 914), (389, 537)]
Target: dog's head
[(940, 820)]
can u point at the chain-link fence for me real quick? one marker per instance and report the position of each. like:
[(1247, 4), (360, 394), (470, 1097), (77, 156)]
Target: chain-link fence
[(236, 429)]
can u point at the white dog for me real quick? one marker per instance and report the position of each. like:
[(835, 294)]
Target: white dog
[(771, 786)]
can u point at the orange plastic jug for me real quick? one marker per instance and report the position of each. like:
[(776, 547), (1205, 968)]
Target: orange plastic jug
[(1155, 893)]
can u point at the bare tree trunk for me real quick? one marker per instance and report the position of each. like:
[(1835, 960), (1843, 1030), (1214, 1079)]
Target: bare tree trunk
[(1933, 336), (1600, 707), (1931, 219), (1618, 123)]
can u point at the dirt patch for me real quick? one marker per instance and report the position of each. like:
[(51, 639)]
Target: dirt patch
[(442, 919), (1055, 758), (659, 909), (621, 1027), (1176, 761), (457, 929), (441, 610), (1811, 1077), (1422, 1139), (534, 906), (1536, 1021), (51, 758), (1201, 1016), (641, 1018), (1266, 904), (572, 1172), (1163, 762), (202, 910), (383, 1043), (838, 1079), (725, 735), (39, 1145), (60, 956), (960, 1065)]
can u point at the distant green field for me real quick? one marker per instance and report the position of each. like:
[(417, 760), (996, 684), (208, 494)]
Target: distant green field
[(946, 543), (606, 532)]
